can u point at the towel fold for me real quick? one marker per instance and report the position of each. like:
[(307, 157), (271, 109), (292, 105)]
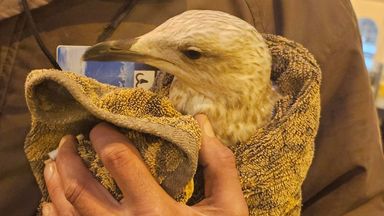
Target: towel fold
[(272, 164)]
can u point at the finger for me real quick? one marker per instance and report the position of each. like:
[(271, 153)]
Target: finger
[(220, 174), (81, 189), (56, 192), (125, 164), (48, 209)]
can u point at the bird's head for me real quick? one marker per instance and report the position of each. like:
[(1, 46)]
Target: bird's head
[(201, 48)]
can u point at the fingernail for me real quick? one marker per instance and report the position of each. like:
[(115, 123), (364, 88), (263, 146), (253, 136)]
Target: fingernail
[(49, 168), (52, 155), (48, 161), (47, 209), (205, 125), (62, 141)]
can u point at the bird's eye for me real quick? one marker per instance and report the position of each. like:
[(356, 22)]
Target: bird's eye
[(192, 53)]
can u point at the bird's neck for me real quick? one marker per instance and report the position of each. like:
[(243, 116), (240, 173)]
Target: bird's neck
[(235, 115)]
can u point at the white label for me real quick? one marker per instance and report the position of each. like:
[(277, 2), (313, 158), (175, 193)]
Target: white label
[(143, 78)]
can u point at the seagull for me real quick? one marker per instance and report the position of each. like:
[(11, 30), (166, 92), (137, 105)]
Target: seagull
[(221, 67)]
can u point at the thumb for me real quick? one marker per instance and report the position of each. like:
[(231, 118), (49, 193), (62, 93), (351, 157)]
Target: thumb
[(222, 184)]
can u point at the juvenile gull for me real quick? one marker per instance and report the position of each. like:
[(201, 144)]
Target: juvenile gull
[(221, 66)]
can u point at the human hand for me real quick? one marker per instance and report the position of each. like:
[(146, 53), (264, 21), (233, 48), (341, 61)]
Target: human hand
[(74, 191)]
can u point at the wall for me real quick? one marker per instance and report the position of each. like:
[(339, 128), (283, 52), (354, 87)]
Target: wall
[(373, 9)]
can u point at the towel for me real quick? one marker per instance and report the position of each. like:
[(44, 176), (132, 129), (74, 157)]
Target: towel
[(272, 164)]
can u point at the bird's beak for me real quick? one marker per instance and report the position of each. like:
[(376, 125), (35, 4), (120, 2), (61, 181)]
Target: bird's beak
[(136, 50), (119, 50), (132, 50)]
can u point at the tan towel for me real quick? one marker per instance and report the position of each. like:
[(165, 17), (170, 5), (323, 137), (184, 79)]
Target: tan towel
[(272, 163)]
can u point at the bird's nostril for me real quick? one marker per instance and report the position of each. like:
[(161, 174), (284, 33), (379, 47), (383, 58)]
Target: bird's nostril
[(114, 48)]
